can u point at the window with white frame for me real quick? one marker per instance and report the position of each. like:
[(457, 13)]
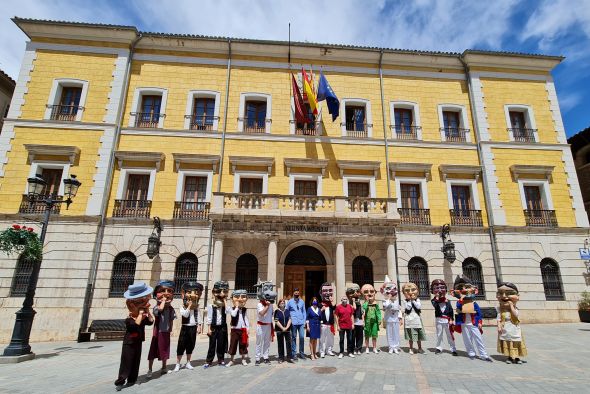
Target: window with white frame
[(358, 119), (202, 110), (358, 189), (135, 192), (53, 173), (255, 113), (251, 185), (66, 100), (537, 204), (310, 127), (405, 120), (412, 201), (463, 201), (453, 123), (193, 193), (149, 108), (520, 123)]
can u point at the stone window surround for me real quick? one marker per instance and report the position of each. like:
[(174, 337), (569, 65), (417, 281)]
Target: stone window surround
[(370, 179), (38, 166), (368, 114), (462, 118), (305, 177), (474, 195), (255, 96), (123, 178), (238, 175), (413, 181), (182, 174), (56, 91), (543, 185), (415, 114), (292, 122), (529, 116), (192, 95), (146, 91)]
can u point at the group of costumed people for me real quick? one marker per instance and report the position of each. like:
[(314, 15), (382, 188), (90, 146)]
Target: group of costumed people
[(358, 316)]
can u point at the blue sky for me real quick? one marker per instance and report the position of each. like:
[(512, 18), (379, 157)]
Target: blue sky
[(558, 27)]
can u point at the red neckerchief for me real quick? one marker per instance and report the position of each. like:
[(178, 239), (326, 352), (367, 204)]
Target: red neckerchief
[(442, 300), (328, 304)]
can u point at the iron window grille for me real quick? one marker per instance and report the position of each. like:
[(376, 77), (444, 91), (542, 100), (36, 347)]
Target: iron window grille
[(22, 275), (123, 273), (185, 269), (418, 274), (247, 273), (362, 271), (551, 280), (472, 270)]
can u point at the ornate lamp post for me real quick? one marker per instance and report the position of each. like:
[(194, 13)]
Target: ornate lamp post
[(19, 343), (448, 247), (154, 243)]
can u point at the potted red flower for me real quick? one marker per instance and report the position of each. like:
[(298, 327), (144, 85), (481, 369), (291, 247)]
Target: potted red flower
[(21, 240)]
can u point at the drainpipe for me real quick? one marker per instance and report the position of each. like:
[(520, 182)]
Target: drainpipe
[(83, 336), (489, 214), (222, 153)]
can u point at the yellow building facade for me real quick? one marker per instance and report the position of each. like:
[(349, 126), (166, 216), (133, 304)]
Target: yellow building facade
[(201, 133)]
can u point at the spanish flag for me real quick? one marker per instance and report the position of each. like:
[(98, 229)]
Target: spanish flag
[(308, 90)]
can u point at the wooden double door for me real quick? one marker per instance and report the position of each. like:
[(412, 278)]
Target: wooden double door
[(307, 278)]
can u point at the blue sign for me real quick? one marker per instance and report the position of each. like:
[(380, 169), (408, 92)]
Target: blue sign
[(585, 254)]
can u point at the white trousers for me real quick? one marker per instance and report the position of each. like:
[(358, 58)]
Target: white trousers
[(442, 328), (392, 331), (326, 339), (471, 334), (262, 341)]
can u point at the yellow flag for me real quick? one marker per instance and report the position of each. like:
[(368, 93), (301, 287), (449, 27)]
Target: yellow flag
[(311, 98)]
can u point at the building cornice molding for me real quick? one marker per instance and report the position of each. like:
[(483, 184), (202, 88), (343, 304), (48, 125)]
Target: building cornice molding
[(52, 124), (425, 168), (156, 157), (460, 169), (193, 158), (319, 164), (72, 152), (251, 161), (359, 165), (518, 170)]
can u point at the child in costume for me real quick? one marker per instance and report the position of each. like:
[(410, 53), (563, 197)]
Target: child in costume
[(414, 329), (191, 322), (392, 317), (327, 330), (510, 339), (138, 302), (217, 321), (372, 317), (165, 315), (353, 293), (468, 319), (239, 327), (443, 315), (264, 328)]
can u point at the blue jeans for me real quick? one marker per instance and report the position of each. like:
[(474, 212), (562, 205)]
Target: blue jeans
[(294, 329)]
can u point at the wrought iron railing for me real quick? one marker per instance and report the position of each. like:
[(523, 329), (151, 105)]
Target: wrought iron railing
[(65, 113), (356, 129), (254, 125), (403, 132), (147, 120), (414, 216), (195, 210), (309, 128), (466, 217), (132, 208), (201, 122), (523, 135), (455, 134), (38, 206), (540, 218)]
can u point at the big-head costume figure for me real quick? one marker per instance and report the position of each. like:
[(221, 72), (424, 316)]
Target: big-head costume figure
[(264, 327), (391, 315), (138, 297), (191, 322), (239, 326), (372, 317), (468, 318), (165, 315), (443, 315), (414, 329), (217, 321), (510, 339), (353, 292), (327, 330)]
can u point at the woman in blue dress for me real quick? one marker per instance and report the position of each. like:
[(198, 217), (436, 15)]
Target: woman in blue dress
[(313, 326)]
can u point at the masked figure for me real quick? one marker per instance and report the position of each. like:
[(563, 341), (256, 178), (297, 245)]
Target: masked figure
[(327, 330), (392, 317), (414, 329), (510, 339), (264, 328), (468, 318), (138, 303), (354, 299), (372, 314), (217, 321), (443, 315), (165, 315), (239, 326), (191, 322)]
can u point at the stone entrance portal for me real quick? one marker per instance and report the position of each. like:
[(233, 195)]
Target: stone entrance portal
[(305, 268)]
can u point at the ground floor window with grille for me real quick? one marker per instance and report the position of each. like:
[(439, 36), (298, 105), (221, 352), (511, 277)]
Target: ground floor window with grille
[(551, 280), (472, 270), (362, 271), (185, 270), (247, 273), (123, 273), (22, 275), (418, 274)]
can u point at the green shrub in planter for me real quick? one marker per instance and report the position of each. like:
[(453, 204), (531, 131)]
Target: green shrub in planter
[(584, 307)]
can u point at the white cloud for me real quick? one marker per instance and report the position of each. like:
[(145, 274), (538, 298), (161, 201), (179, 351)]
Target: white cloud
[(570, 100)]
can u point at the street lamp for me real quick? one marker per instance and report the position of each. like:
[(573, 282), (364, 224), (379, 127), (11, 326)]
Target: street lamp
[(154, 243), (448, 247), (19, 343)]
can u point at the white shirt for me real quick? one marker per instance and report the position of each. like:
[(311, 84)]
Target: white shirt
[(267, 318), (467, 321), (391, 309), (220, 312), (192, 314), (358, 322), (242, 320), (443, 308), (412, 319)]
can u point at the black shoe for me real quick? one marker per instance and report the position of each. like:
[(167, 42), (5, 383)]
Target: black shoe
[(266, 361), (455, 354), (438, 351), (291, 361), (257, 363), (302, 356), (119, 387)]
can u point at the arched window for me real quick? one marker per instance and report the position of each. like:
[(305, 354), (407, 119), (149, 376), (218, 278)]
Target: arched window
[(123, 273), (247, 273), (472, 270), (418, 274), (362, 271), (22, 275), (185, 269), (551, 280)]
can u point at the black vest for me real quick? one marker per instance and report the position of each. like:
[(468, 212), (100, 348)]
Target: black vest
[(187, 320), (214, 317), (330, 319), (236, 319)]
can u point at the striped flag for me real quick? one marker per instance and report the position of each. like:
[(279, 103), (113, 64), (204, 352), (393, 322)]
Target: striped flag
[(311, 99), (300, 113)]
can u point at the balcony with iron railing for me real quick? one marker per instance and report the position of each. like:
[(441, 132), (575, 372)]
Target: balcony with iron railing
[(403, 132), (132, 208), (414, 216), (356, 129), (466, 217), (38, 206), (309, 128), (523, 135), (454, 134), (192, 210), (202, 122), (147, 120), (65, 113), (540, 218), (254, 125)]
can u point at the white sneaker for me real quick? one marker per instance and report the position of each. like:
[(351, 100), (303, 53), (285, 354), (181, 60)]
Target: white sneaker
[(244, 362), (390, 350), (188, 366), (340, 355), (230, 364), (367, 351), (396, 351), (375, 350), (330, 353), (411, 351), (148, 374), (350, 355), (322, 355), (177, 368)]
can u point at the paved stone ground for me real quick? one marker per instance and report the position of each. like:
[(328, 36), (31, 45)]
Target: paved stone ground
[(558, 360)]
